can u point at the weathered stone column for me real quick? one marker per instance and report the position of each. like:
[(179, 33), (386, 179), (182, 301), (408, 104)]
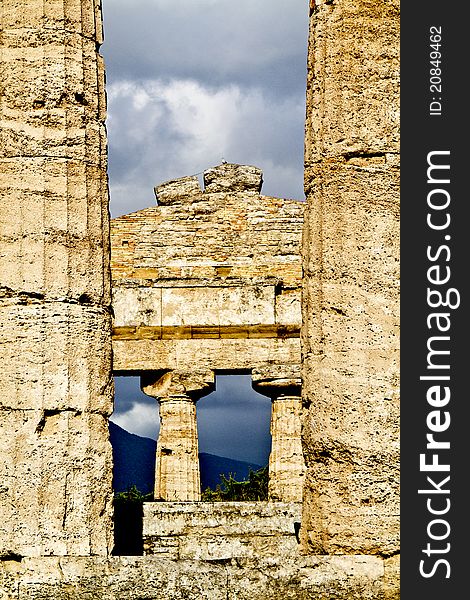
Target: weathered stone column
[(177, 475), (286, 461), (55, 330), (350, 335)]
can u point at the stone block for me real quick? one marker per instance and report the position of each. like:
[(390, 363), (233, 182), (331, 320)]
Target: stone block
[(241, 305), (135, 578), (59, 246), (56, 484), (218, 354), (288, 308), (134, 306), (310, 578), (355, 503), (221, 530), (53, 89), (190, 306), (80, 17), (55, 356), (185, 189), (233, 178), (220, 518), (353, 80)]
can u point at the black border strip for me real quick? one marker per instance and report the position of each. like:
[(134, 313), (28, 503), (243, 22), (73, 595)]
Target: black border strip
[(431, 128)]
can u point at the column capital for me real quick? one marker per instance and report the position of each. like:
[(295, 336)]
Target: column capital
[(177, 385), (277, 380)]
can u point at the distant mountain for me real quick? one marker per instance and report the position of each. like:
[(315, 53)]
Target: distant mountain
[(212, 466), (134, 460), (134, 463)]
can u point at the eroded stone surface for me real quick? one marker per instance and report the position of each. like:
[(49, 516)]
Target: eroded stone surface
[(351, 267), (233, 351), (55, 317), (155, 578), (56, 356), (177, 190), (55, 492), (286, 460), (233, 178), (177, 465), (221, 530)]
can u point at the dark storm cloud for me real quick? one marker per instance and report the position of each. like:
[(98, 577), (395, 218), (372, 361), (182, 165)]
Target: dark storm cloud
[(217, 42), (192, 82), (160, 131), (234, 421)]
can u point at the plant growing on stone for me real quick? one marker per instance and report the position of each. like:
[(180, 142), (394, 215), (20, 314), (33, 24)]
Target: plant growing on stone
[(255, 488)]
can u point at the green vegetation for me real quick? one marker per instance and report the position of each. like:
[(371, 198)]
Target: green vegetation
[(131, 496), (255, 488)]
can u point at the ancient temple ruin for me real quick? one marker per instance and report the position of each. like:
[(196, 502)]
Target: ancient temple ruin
[(205, 281), (223, 309)]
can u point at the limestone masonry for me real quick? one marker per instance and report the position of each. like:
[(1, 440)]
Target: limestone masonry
[(55, 342), (213, 278), (351, 285), (210, 280), (216, 531)]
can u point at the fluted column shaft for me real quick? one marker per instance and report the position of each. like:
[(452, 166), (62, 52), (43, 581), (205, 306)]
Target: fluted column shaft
[(282, 384), (177, 474), (55, 324), (286, 461), (351, 280)]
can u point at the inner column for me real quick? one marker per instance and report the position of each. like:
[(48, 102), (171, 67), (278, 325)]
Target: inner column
[(177, 473), (286, 461)]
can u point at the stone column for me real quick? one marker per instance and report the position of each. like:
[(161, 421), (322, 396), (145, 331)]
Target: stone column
[(350, 325), (286, 461), (55, 325), (177, 475)]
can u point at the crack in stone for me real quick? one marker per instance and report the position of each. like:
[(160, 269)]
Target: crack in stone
[(363, 154)]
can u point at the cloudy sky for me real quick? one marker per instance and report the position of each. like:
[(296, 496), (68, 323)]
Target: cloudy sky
[(191, 83)]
